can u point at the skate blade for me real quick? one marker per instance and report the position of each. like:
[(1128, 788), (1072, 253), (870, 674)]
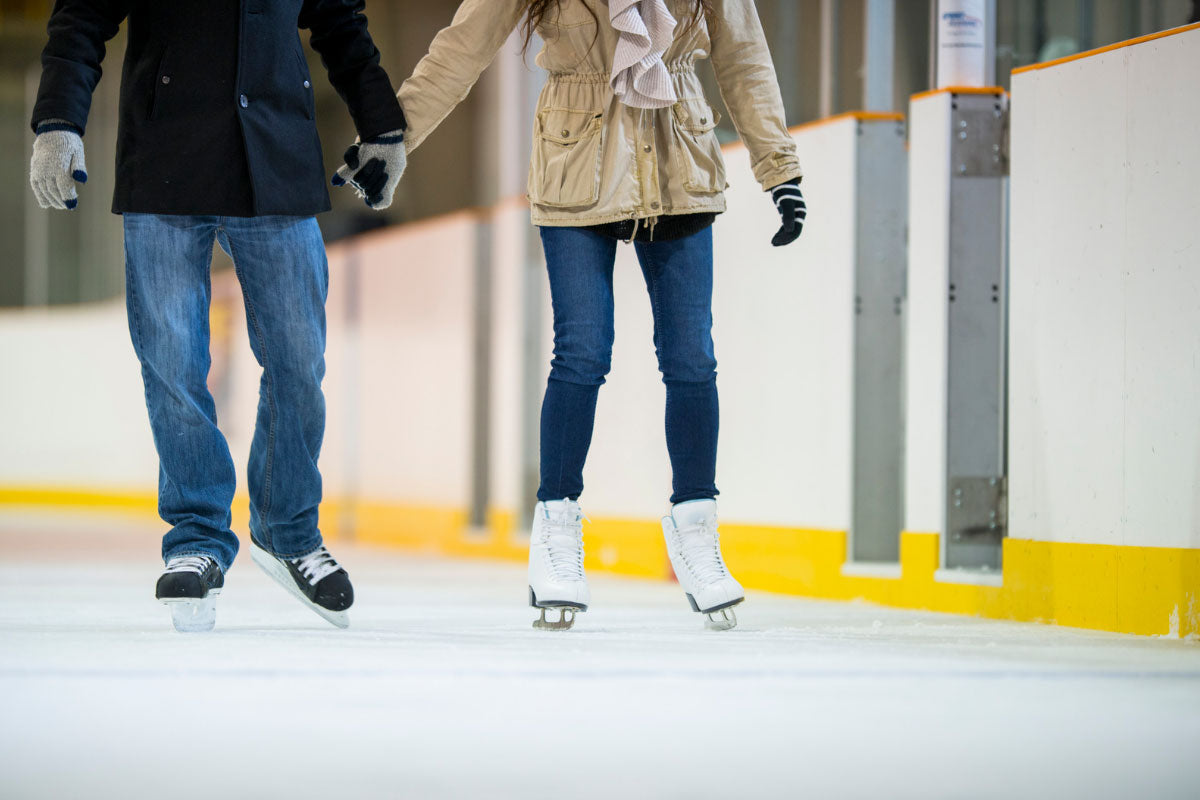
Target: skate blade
[(193, 616), (278, 573), (721, 620), (566, 619)]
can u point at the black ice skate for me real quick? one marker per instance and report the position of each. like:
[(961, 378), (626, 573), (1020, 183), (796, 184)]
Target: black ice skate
[(316, 580), (189, 587)]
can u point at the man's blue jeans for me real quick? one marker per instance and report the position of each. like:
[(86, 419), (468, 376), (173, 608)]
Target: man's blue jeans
[(678, 276), (280, 262)]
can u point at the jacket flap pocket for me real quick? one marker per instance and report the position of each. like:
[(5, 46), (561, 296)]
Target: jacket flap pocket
[(695, 116), (568, 126)]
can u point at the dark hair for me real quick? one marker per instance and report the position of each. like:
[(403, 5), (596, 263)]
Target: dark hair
[(536, 11)]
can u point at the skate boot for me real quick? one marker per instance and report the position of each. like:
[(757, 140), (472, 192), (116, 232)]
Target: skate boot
[(695, 550), (556, 579), (189, 587), (316, 580)]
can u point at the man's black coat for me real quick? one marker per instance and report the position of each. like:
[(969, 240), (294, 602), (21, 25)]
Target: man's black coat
[(216, 100)]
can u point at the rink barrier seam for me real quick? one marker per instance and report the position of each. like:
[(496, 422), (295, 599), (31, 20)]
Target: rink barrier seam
[(1120, 588), (1150, 37)]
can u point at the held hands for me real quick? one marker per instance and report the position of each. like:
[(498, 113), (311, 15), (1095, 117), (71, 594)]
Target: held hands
[(57, 165), (790, 204), (373, 168)]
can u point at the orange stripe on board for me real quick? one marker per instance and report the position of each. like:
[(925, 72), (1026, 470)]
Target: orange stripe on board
[(1109, 48), (861, 116), (960, 90)]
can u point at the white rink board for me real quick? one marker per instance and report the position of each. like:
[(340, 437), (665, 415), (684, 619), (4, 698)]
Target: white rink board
[(1105, 298), (71, 401), (926, 345)]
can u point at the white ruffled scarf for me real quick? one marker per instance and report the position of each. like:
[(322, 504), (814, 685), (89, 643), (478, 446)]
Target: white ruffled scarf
[(645, 30)]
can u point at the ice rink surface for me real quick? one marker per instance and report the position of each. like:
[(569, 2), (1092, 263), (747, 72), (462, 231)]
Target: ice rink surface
[(441, 689)]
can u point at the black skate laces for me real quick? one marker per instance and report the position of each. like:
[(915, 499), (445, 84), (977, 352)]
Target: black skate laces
[(563, 536), (316, 565), (194, 564), (699, 547)]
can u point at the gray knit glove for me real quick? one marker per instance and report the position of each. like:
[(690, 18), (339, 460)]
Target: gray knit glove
[(374, 168), (57, 164)]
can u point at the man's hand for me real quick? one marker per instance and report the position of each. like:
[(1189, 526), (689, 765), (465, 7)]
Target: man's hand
[(57, 165), (790, 204), (374, 168)]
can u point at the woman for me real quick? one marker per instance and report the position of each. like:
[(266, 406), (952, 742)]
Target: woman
[(624, 149)]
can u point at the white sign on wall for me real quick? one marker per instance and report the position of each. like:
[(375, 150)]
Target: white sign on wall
[(962, 43)]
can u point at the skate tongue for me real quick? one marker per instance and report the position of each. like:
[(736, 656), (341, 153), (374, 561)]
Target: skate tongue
[(563, 510), (694, 512)]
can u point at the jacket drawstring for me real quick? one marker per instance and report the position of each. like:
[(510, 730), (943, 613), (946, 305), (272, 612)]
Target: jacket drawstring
[(651, 224)]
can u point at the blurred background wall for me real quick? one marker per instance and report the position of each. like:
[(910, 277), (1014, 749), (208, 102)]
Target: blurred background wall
[(818, 46)]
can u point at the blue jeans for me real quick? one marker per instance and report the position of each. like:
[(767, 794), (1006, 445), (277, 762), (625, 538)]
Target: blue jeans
[(280, 262), (678, 276)]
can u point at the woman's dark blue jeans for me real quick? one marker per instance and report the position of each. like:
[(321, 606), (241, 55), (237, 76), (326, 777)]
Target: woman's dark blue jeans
[(678, 277)]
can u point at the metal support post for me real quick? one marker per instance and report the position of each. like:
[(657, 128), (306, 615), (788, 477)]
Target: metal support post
[(976, 429), (880, 263), (880, 56)]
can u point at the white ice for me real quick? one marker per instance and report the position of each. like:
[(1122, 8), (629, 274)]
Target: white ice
[(440, 688)]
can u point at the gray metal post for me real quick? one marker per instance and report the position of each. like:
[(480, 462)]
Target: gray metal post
[(787, 54), (880, 55), (481, 373), (880, 266), (829, 51), (976, 426), (989, 57)]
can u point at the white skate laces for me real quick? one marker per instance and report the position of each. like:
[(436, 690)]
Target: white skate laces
[(699, 546), (316, 565), (193, 564), (562, 535), (694, 547)]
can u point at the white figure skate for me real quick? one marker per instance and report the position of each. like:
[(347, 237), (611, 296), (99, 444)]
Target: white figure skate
[(694, 546), (556, 579)]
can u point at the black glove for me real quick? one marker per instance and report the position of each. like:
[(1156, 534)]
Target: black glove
[(373, 168), (790, 204)]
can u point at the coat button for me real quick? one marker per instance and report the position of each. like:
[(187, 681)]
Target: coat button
[(166, 79), (245, 101), (647, 148), (565, 133), (704, 120), (306, 84), (654, 205)]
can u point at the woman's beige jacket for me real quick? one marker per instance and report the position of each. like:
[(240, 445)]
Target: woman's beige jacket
[(595, 160)]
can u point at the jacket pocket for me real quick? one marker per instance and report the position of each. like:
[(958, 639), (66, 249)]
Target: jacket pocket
[(304, 83), (160, 92), (567, 150), (697, 149)]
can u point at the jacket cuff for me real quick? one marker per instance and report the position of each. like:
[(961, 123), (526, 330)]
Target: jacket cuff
[(777, 168), (47, 125), (375, 109)]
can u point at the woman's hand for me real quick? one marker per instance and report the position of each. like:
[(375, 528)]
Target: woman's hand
[(789, 202), (373, 168)]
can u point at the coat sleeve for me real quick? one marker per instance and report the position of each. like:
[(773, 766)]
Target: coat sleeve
[(339, 35), (456, 58), (71, 60), (750, 89)]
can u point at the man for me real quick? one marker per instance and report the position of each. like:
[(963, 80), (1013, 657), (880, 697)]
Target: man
[(217, 141)]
